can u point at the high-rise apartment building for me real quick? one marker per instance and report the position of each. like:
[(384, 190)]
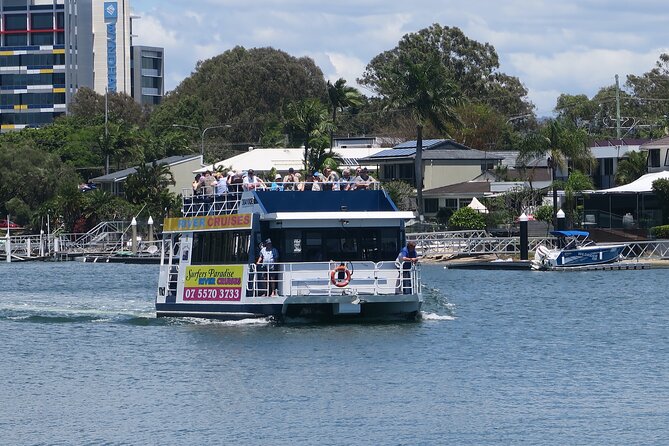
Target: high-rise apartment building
[(147, 72), (50, 48)]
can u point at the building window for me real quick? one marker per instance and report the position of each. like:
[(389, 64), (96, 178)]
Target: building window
[(41, 21), (608, 166), (666, 159), (16, 39), (60, 20), (431, 205), (16, 22), (41, 39), (451, 203), (654, 158)]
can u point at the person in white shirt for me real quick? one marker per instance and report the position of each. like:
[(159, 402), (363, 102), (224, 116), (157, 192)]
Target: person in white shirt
[(252, 182), (266, 262)]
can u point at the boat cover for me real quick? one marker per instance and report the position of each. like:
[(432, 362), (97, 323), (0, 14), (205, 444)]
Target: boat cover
[(572, 233)]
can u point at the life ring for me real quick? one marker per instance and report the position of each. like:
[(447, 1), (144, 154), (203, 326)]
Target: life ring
[(337, 282)]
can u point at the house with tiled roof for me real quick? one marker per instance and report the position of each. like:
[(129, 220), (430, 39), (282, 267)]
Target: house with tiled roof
[(444, 162)]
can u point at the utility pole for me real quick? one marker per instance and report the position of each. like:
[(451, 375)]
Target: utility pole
[(617, 108)]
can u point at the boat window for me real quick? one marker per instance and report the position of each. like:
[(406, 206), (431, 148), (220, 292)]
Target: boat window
[(304, 245), (221, 247)]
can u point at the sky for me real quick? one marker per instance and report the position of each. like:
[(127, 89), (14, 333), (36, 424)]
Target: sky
[(570, 46)]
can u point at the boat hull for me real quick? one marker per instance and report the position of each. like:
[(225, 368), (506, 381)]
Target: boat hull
[(583, 256), (325, 308), (589, 256)]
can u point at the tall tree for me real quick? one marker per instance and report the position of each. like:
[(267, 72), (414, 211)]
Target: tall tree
[(246, 88), (426, 90), (562, 143), (472, 66), (341, 97)]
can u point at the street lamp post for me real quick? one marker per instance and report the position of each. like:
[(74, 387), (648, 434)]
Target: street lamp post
[(204, 132)]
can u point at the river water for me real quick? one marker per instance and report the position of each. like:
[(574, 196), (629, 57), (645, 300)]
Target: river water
[(500, 357)]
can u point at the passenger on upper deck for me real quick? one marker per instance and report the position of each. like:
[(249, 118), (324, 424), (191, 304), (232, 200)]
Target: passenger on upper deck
[(363, 180), (252, 181), (346, 182), (277, 184), (221, 183), (318, 182), (207, 183), (196, 184), (331, 179), (235, 182), (308, 184), (290, 181)]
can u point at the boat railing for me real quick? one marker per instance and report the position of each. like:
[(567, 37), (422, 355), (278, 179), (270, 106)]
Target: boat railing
[(333, 278), (207, 201)]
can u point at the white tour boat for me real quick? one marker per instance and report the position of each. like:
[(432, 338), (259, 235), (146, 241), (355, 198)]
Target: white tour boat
[(337, 252)]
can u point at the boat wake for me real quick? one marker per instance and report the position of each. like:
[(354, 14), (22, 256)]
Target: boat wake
[(435, 317), (436, 306)]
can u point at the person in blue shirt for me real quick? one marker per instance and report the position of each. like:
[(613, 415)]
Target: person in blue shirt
[(405, 259)]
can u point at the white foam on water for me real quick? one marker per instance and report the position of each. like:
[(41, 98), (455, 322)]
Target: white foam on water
[(436, 317), (240, 322)]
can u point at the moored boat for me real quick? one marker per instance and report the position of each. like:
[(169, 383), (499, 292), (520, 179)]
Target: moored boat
[(336, 257), (577, 250)]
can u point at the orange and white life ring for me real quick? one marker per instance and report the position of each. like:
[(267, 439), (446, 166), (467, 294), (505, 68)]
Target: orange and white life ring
[(335, 279)]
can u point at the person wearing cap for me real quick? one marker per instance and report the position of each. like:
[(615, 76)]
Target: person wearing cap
[(363, 180), (252, 182), (290, 181), (267, 262), (318, 182), (277, 184)]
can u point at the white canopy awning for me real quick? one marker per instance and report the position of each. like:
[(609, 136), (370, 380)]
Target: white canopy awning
[(643, 184), (478, 206)]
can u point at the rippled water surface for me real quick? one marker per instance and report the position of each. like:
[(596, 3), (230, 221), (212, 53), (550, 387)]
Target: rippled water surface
[(504, 357)]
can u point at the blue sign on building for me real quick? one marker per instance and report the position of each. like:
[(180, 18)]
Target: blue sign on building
[(111, 15), (111, 11)]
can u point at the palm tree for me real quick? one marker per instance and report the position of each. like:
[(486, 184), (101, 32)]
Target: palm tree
[(341, 97), (427, 91), (632, 168), (561, 143), (310, 119), (148, 182)]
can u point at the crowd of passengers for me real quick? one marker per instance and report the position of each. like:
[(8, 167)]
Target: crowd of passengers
[(235, 181)]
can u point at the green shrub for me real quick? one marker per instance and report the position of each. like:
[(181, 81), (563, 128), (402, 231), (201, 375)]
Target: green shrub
[(544, 213), (660, 231), (466, 218), (443, 215)]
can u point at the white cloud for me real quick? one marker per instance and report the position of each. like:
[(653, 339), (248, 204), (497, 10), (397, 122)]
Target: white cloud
[(571, 46), (582, 72)]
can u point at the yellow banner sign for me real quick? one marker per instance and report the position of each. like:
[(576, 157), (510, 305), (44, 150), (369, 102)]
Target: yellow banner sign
[(213, 283), (208, 223)]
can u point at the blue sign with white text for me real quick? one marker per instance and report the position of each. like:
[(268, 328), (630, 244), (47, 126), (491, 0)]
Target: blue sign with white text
[(111, 15)]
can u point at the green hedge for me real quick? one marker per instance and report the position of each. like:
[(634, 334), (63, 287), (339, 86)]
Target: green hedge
[(660, 231)]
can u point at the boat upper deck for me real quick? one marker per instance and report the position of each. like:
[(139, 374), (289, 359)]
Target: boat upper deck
[(272, 202)]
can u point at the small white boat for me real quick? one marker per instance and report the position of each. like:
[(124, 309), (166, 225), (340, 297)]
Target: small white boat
[(577, 251)]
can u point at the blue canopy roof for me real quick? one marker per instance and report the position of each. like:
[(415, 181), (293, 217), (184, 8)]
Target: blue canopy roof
[(325, 201), (572, 233)]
